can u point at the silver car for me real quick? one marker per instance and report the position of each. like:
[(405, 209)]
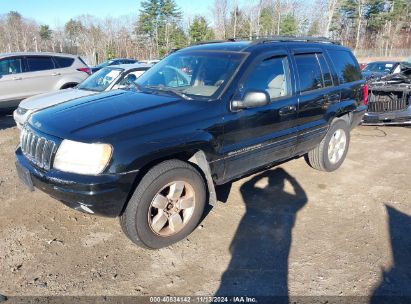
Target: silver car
[(108, 78), (23, 75)]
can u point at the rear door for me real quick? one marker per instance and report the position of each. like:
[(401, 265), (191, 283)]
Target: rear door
[(63, 68), (40, 76), (316, 92), (256, 137)]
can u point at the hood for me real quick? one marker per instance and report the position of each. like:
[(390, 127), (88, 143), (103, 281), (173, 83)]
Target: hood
[(49, 99), (115, 115)]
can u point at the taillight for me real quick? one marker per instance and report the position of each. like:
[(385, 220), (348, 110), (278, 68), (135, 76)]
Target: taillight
[(85, 70), (365, 97)]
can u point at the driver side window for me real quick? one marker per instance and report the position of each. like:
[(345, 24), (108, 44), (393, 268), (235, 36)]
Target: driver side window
[(270, 75)]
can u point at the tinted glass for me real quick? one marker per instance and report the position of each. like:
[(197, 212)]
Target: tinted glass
[(271, 75), (64, 62), (325, 70), (309, 72), (10, 66), (100, 80), (197, 74), (39, 64), (345, 65)]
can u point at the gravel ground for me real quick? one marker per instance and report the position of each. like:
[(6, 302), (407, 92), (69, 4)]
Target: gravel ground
[(290, 230)]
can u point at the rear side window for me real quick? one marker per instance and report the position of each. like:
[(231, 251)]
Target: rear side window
[(39, 64), (64, 62), (10, 66), (309, 71), (345, 65), (325, 71), (270, 75)]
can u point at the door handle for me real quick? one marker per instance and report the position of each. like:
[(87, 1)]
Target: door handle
[(55, 74), (288, 110), (17, 78)]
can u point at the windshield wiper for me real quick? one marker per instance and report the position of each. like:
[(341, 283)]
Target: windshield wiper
[(170, 90)]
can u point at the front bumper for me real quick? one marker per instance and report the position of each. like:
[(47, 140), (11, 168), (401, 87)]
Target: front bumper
[(104, 194), (388, 118)]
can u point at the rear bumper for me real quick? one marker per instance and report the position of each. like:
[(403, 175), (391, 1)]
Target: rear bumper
[(104, 195), (358, 115), (388, 118)]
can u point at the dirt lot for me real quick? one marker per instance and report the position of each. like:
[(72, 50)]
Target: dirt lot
[(290, 229)]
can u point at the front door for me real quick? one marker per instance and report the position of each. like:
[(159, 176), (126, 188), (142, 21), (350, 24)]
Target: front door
[(256, 137), (11, 82)]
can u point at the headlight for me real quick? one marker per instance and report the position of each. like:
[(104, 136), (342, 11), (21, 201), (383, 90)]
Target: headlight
[(82, 158)]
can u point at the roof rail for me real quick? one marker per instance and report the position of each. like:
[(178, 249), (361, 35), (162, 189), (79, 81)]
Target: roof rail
[(266, 39), (215, 41)]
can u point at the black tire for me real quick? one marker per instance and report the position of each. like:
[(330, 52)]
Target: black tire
[(318, 157), (134, 220), (68, 85)]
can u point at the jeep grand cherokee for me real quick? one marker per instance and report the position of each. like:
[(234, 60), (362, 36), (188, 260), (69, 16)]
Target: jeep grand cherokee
[(203, 116)]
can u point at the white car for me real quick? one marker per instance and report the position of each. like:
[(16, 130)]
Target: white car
[(23, 75), (106, 79)]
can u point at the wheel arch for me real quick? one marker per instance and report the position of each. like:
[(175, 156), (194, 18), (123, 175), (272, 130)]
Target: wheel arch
[(197, 157)]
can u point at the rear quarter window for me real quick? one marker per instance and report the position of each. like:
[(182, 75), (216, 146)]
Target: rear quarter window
[(345, 65), (64, 62)]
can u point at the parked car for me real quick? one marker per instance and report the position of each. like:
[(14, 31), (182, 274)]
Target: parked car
[(389, 99), (106, 79), (27, 74), (115, 61), (151, 61), (153, 155), (377, 69)]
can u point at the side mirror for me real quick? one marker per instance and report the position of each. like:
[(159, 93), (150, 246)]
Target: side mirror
[(252, 99)]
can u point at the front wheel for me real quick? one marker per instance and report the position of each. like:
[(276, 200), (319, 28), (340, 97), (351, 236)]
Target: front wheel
[(331, 152), (166, 206)]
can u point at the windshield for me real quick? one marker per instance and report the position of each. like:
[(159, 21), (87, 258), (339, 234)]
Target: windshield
[(194, 74), (381, 67), (100, 80)]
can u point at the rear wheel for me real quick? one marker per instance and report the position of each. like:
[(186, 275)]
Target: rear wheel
[(331, 152), (166, 206)]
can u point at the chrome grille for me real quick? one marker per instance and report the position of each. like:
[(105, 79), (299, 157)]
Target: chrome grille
[(36, 148)]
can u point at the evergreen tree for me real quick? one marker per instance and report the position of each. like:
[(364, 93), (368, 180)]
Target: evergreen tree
[(289, 25), (159, 19), (199, 30)]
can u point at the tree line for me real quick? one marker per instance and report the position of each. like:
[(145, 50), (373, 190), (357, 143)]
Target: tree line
[(160, 26)]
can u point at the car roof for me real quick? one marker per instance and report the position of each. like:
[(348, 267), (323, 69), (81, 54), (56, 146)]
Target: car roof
[(130, 66), (4, 55)]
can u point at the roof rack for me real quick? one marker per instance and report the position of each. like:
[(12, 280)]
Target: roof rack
[(266, 39), (294, 38), (215, 41)]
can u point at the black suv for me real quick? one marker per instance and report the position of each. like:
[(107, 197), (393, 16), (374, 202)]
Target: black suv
[(205, 115)]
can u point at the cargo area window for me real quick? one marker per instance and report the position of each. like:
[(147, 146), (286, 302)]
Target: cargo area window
[(345, 65)]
